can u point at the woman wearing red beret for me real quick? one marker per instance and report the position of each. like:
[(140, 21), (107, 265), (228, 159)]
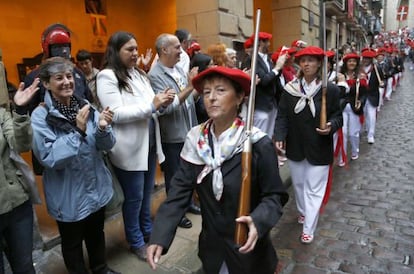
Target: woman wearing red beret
[(309, 149), (211, 164), (374, 83), (353, 103)]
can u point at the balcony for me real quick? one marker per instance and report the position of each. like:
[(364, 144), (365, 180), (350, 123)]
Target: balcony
[(335, 8)]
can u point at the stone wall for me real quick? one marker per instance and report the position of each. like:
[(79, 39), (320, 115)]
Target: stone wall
[(216, 21)]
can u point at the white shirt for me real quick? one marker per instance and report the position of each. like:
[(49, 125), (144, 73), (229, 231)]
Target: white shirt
[(184, 62)]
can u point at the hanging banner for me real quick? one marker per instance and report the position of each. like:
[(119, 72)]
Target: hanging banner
[(402, 13), (350, 9)]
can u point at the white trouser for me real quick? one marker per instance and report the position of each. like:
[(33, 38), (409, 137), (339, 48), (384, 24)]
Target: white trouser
[(265, 121), (388, 92), (381, 98), (350, 128), (397, 77), (370, 118), (223, 268), (309, 183), (335, 140)]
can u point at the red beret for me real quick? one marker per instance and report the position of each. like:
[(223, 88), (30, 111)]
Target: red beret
[(265, 36), (262, 36), (368, 53), (330, 53), (275, 56), (381, 51), (236, 75), (284, 49), (195, 46), (312, 51), (351, 55), (248, 43), (299, 44)]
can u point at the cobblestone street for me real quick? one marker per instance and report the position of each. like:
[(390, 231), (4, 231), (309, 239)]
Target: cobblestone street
[(368, 224)]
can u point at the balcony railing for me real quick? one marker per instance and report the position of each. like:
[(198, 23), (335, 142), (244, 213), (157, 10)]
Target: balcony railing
[(340, 4)]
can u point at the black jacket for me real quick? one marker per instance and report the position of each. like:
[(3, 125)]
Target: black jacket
[(299, 130), (216, 240)]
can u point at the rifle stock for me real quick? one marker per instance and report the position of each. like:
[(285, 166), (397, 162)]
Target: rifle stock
[(244, 204), (241, 232)]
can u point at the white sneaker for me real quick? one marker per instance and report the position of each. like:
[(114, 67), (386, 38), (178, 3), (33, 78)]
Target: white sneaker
[(371, 140)]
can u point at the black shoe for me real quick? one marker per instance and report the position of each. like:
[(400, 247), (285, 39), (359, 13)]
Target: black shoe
[(140, 252), (185, 223), (194, 209)]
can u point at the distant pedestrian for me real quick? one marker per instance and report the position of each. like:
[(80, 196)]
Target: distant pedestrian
[(374, 80), (309, 149), (352, 103), (84, 61)]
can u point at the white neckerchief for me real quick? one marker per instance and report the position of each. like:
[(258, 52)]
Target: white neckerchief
[(294, 88), (368, 70), (264, 58), (197, 150)]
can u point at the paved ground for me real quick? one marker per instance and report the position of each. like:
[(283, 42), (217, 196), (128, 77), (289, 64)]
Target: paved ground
[(367, 226)]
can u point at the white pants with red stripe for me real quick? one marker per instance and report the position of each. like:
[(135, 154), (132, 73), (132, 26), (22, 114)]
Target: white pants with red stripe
[(309, 182)]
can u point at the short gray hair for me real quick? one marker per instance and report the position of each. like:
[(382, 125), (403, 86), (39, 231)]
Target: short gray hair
[(52, 66), (162, 41)]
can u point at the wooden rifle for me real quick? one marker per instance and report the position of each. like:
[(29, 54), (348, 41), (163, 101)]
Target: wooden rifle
[(337, 53), (357, 103), (323, 115), (381, 83), (241, 232)]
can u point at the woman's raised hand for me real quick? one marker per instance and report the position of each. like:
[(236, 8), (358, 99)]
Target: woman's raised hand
[(22, 97)]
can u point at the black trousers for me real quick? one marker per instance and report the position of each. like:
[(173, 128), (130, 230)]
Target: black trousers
[(91, 231)]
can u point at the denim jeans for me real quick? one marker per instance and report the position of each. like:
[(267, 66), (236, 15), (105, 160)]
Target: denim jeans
[(16, 228), (136, 210), (90, 230)]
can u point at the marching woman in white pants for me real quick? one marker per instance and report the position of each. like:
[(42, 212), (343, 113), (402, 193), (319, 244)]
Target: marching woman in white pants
[(353, 105), (374, 80), (309, 149)]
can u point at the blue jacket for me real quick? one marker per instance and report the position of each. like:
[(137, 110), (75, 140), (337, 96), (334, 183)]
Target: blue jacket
[(75, 179)]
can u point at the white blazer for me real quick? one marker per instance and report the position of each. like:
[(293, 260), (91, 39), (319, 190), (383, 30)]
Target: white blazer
[(132, 111)]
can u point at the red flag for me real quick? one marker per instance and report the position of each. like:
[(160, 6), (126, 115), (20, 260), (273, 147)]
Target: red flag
[(402, 13), (350, 9)]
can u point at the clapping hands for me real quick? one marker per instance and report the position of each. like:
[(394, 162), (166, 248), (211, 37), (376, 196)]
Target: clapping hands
[(105, 118)]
